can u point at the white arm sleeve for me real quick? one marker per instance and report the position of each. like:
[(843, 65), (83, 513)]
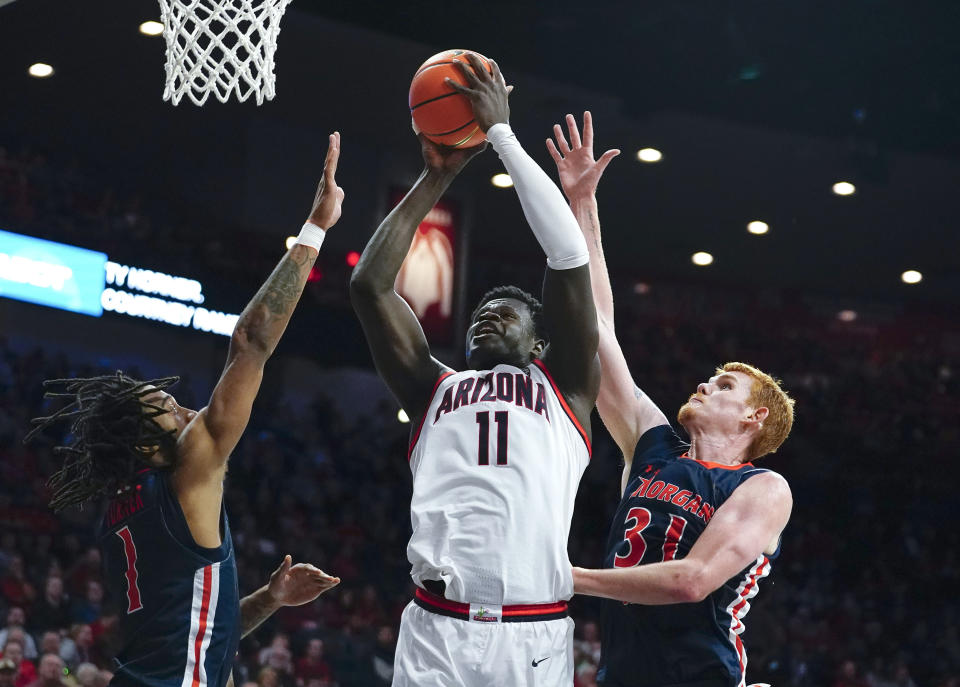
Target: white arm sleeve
[(543, 204)]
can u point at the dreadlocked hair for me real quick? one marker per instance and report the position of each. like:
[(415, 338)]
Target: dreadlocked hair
[(113, 430), (533, 305)]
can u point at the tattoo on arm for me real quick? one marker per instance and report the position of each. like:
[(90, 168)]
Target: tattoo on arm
[(282, 291), (639, 395), (254, 609), (267, 314)]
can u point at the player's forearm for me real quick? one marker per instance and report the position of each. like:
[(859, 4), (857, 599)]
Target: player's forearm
[(588, 218), (656, 584), (256, 608), (263, 321), (543, 204), (385, 252)]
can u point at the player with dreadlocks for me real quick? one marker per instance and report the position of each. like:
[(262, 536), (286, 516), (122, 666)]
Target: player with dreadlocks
[(164, 534), (115, 428)]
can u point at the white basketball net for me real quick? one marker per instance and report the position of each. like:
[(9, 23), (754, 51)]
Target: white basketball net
[(220, 47)]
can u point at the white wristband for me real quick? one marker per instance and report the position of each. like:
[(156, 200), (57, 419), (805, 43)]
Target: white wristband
[(311, 235)]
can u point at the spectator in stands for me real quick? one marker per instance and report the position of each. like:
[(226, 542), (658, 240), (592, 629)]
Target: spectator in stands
[(86, 675), (312, 665), (8, 540), (50, 672), (14, 585), (281, 660), (82, 650), (383, 655), (88, 609), (848, 676), (68, 650), (280, 642), (589, 645), (368, 609), (83, 570), (8, 672), (586, 675), (50, 643), (16, 619), (26, 672), (52, 610), (898, 676), (267, 677)]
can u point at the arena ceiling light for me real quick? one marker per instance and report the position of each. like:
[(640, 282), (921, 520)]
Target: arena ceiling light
[(847, 315), (501, 180), (291, 241), (757, 227), (701, 258), (402, 416), (151, 28), (911, 277), (649, 155), (844, 188), (40, 70)]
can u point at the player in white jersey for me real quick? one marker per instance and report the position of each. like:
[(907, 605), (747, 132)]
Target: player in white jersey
[(497, 451)]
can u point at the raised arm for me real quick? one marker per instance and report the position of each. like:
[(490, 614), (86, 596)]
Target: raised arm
[(567, 302), (746, 526), (625, 410), (397, 343), (207, 443)]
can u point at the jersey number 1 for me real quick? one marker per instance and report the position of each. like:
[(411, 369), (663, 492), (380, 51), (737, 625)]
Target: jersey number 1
[(133, 585), (483, 441)]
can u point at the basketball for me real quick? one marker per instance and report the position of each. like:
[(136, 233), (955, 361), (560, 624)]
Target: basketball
[(440, 113)]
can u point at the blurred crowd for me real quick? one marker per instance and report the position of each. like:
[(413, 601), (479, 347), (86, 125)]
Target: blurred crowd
[(863, 594)]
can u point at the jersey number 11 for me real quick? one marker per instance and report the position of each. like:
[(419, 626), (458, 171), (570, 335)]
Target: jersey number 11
[(483, 441)]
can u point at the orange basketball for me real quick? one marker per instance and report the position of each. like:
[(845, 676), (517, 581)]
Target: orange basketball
[(440, 113)]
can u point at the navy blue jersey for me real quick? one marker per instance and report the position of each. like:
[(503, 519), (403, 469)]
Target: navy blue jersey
[(667, 504), (180, 615)]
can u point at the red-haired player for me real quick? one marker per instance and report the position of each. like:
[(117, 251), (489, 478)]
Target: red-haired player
[(697, 524)]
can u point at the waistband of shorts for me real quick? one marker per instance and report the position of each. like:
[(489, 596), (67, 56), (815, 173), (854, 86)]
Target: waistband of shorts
[(490, 613)]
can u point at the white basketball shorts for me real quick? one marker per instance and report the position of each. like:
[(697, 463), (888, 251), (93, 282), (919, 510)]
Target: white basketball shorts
[(435, 650)]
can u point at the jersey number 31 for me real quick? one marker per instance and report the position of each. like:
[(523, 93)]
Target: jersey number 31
[(637, 545)]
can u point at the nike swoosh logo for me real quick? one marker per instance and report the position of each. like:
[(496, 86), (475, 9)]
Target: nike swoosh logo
[(536, 663)]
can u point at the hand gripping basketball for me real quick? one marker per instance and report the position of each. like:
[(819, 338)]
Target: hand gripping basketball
[(446, 160), (487, 92)]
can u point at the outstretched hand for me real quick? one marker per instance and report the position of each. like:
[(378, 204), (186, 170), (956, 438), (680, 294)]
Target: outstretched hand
[(326, 204), (579, 172), (486, 91), (295, 585)]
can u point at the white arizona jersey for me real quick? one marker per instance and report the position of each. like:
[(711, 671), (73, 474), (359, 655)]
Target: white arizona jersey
[(496, 463)]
